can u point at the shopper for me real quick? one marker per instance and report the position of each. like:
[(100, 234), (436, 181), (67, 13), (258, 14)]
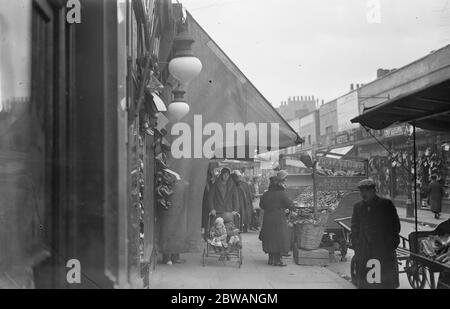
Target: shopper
[(435, 195), (223, 195), (375, 236), (275, 231)]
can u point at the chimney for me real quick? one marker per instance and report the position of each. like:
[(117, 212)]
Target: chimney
[(301, 98), (352, 87), (323, 102)]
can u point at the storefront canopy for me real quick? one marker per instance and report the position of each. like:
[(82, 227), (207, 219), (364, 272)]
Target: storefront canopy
[(338, 153), (224, 95), (428, 108)]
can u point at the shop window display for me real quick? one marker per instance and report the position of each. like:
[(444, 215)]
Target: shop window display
[(379, 171)]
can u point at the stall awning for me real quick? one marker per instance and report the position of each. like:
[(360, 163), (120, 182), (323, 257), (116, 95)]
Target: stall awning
[(338, 153), (428, 108), (223, 94)]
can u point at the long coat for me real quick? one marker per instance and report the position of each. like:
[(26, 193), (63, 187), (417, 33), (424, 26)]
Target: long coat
[(435, 194), (275, 231), (245, 202), (375, 236), (223, 197)]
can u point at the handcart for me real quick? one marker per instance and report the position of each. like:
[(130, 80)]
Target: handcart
[(335, 236), (418, 268), (209, 251)]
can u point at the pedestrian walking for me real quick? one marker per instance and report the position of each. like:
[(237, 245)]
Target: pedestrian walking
[(375, 237), (435, 195), (223, 195), (275, 231)]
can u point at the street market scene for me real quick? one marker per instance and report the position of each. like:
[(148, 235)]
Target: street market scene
[(220, 144)]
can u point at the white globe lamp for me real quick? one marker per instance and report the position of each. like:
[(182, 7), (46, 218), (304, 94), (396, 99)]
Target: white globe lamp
[(178, 108), (184, 66)]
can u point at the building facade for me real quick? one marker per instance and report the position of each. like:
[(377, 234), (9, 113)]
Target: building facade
[(77, 141)]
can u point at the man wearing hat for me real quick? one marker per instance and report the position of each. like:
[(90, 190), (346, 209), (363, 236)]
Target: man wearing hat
[(375, 237)]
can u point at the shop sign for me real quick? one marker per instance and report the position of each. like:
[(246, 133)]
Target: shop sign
[(339, 164), (342, 139), (337, 183), (376, 133), (395, 131)]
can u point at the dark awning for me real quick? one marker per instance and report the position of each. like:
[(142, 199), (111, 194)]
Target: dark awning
[(428, 108)]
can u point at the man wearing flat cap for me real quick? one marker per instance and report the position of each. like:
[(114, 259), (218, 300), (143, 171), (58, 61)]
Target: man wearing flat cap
[(375, 237)]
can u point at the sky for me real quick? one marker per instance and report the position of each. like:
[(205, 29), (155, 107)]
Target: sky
[(319, 47)]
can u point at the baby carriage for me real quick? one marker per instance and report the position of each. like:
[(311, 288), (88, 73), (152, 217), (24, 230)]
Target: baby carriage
[(230, 253)]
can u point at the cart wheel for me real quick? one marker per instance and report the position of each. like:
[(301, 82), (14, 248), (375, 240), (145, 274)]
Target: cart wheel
[(416, 273), (241, 258), (205, 252)]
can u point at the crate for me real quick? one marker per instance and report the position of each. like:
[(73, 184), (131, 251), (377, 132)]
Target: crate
[(318, 257)]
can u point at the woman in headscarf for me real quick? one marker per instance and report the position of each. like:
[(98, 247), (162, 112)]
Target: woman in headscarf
[(275, 231), (223, 195)]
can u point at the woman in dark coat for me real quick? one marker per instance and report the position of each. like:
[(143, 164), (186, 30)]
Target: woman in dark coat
[(223, 195), (275, 231), (435, 195), (375, 237)]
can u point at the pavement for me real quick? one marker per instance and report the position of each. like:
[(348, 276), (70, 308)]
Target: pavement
[(426, 222), (425, 217), (254, 273)]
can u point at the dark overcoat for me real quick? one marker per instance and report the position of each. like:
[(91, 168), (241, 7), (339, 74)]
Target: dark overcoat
[(275, 231), (245, 202), (435, 194), (375, 236), (223, 198)]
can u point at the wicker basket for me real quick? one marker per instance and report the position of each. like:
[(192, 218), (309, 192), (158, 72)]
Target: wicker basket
[(309, 235)]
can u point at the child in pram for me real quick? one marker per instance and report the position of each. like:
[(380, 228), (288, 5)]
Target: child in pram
[(224, 237)]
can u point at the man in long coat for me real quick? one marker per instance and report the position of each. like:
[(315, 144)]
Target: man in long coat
[(245, 199), (223, 195), (435, 195), (375, 237)]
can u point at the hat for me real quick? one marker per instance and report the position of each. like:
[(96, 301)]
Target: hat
[(282, 175), (225, 170), (366, 183)]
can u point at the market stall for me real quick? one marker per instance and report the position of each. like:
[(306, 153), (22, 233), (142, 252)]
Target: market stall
[(427, 108), (320, 198)]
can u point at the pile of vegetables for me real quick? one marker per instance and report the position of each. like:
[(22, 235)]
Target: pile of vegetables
[(327, 202)]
